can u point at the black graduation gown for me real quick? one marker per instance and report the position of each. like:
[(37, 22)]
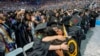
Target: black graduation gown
[(85, 23), (41, 49), (92, 22), (21, 34), (93, 15)]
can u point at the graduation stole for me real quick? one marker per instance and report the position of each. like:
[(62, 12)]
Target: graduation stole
[(6, 38), (69, 43)]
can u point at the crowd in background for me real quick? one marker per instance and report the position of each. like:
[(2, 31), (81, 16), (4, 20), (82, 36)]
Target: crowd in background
[(48, 4)]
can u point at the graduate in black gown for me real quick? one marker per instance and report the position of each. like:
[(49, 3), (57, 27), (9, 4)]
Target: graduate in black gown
[(20, 29), (42, 45), (93, 15)]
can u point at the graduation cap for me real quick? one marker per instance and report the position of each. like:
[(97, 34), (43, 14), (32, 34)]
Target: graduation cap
[(75, 20), (41, 26), (44, 25)]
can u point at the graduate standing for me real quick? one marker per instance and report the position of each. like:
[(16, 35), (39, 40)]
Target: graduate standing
[(42, 44)]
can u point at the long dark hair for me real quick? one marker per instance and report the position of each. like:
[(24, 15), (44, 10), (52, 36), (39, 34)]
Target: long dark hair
[(49, 31)]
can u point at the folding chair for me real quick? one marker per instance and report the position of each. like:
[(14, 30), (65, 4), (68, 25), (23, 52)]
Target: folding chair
[(15, 52), (27, 47)]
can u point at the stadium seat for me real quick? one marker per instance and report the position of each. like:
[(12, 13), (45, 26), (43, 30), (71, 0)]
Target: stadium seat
[(27, 47), (15, 52)]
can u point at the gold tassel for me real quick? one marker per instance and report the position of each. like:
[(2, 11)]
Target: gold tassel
[(69, 42), (65, 32), (70, 23)]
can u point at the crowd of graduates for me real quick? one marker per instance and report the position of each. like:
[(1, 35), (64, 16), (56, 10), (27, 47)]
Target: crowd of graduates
[(17, 28)]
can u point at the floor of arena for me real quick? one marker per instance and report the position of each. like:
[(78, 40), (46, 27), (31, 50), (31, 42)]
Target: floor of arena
[(91, 46)]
